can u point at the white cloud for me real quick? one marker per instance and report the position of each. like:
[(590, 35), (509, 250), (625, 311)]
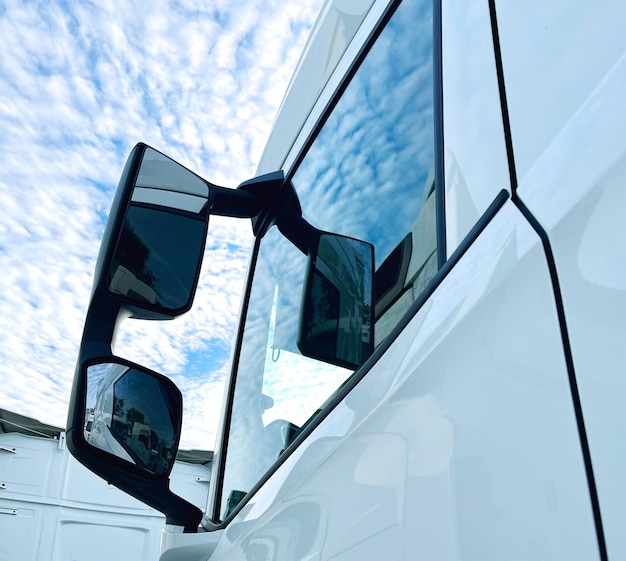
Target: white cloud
[(80, 84)]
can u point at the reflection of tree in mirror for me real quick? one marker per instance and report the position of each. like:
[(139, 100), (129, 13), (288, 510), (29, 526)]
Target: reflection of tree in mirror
[(323, 322), (118, 406), (366, 314), (133, 253), (134, 416)]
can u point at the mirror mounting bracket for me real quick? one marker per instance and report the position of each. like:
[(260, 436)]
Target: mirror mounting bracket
[(267, 199)]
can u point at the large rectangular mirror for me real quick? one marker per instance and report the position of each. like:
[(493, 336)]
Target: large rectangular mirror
[(159, 250)]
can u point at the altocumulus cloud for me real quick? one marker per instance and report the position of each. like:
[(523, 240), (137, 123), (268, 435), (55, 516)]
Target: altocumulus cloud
[(80, 84)]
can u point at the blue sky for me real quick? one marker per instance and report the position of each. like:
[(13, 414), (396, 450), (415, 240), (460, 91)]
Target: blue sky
[(80, 84)]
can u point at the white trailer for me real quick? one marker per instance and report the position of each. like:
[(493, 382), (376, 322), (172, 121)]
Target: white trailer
[(53, 509)]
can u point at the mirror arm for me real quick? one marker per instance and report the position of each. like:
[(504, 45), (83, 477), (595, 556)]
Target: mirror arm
[(267, 199), (249, 200), (299, 232), (289, 220), (236, 203)]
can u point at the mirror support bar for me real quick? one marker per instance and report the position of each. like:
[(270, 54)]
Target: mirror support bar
[(151, 491), (267, 200), (249, 200), (236, 203), (299, 232)]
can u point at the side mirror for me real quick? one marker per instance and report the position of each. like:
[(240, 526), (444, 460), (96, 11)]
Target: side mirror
[(124, 421), (129, 434), (336, 320), (133, 414), (153, 249)]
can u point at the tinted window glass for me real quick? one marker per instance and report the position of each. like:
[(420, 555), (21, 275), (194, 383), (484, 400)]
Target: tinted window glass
[(368, 175)]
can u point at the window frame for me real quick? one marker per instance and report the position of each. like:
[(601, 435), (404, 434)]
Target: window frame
[(323, 108)]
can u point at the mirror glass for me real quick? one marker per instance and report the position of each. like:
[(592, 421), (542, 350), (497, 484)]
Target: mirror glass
[(336, 318), (133, 414), (158, 255)]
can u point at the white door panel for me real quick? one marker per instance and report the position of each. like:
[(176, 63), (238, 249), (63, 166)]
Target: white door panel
[(554, 55), (461, 442), (577, 191)]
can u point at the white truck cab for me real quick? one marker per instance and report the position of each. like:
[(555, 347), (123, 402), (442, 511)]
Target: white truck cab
[(429, 362)]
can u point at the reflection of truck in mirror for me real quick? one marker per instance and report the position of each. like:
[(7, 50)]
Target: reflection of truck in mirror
[(459, 393), (104, 417)]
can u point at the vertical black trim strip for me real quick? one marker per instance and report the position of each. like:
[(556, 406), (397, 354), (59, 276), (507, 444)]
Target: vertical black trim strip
[(231, 381), (508, 138), (571, 373), (440, 209), (556, 287)]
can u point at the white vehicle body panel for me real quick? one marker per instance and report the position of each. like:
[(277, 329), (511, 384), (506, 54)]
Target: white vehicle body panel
[(410, 467), (577, 190)]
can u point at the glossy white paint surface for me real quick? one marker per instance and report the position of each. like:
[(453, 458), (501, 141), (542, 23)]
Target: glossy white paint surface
[(475, 160), (577, 190), (460, 443), (554, 54)]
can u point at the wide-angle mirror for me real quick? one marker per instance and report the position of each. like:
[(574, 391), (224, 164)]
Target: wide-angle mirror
[(133, 414), (336, 315), (159, 250)]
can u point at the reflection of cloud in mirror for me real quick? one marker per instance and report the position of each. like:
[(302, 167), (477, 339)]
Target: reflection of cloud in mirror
[(95, 374), (158, 172)]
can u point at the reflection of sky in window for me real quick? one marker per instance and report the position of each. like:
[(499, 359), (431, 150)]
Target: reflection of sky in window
[(364, 176)]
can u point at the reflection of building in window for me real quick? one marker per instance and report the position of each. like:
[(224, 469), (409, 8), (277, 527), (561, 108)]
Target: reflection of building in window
[(408, 269)]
